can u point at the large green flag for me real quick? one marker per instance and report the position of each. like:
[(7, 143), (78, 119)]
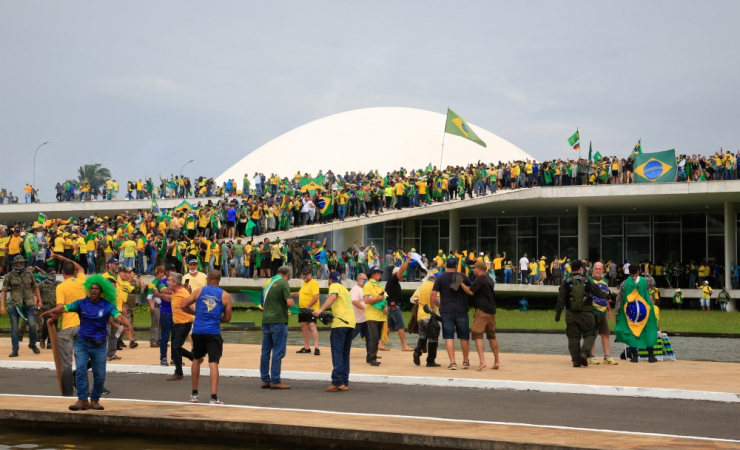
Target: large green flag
[(636, 325), (597, 156), (659, 167), (429, 168), (459, 127), (250, 227), (590, 150), (311, 184), (575, 140)]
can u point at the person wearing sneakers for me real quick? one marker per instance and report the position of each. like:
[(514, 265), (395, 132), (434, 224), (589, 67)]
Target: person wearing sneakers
[(24, 298), (375, 312), (602, 314), (395, 316), (342, 326), (453, 307), (211, 306), (429, 327), (182, 323), (276, 300), (94, 312), (308, 297)]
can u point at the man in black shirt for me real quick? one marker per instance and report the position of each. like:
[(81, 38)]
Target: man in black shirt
[(453, 304), (395, 317), (485, 313)]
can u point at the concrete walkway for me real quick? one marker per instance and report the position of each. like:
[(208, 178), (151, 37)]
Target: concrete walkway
[(320, 429), (690, 380)]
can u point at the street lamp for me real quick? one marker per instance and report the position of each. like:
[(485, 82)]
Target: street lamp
[(34, 163), (183, 166)]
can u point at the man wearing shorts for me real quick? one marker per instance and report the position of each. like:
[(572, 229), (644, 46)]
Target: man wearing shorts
[(485, 313), (428, 325), (308, 297), (453, 307), (706, 295), (395, 316), (602, 314), (212, 306)]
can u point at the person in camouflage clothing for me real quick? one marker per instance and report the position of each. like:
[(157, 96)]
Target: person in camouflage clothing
[(48, 288), (24, 298)]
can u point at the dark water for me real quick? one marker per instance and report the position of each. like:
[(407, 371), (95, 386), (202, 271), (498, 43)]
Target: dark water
[(685, 348), (42, 439)]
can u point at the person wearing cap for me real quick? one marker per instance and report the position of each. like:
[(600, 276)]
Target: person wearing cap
[(112, 275), (706, 295), (453, 304), (374, 296), (429, 327), (24, 297), (395, 297), (48, 288), (277, 300), (342, 327), (195, 279), (542, 269)]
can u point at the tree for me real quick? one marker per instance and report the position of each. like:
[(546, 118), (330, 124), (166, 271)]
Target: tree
[(94, 174)]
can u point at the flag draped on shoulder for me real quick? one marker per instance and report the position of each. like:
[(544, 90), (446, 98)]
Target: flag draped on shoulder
[(155, 207), (659, 167), (637, 325), (575, 140), (459, 127)]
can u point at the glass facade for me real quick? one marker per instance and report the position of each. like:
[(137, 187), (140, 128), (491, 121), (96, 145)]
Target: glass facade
[(619, 237)]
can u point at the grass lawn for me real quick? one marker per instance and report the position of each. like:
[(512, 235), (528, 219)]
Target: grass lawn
[(671, 320)]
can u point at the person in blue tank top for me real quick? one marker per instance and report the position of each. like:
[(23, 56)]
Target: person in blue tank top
[(211, 306)]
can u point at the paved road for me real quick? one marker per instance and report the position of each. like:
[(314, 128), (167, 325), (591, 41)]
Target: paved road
[(677, 417)]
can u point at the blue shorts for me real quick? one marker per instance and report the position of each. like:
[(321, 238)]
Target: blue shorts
[(455, 321), (395, 319)]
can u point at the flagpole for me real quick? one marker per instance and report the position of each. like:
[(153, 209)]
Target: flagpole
[(441, 155)]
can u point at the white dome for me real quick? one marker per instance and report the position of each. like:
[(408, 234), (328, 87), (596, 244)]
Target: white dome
[(383, 138)]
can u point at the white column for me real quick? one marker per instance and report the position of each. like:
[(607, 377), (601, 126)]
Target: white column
[(582, 232), (730, 248), (454, 231)]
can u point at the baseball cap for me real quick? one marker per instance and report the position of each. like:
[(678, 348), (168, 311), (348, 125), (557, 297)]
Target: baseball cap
[(170, 266), (451, 263), (193, 261), (113, 261), (128, 269), (335, 277)]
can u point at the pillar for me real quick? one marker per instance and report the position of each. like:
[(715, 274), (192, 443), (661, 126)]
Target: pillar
[(582, 232), (345, 238), (454, 231), (730, 248)]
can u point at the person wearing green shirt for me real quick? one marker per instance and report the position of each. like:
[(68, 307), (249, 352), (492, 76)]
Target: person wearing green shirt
[(238, 251), (678, 298), (276, 300), (723, 298)]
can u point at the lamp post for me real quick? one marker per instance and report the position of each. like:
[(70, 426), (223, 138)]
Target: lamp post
[(34, 163), (183, 166)]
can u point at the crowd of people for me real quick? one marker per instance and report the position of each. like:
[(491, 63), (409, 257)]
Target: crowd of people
[(396, 189)]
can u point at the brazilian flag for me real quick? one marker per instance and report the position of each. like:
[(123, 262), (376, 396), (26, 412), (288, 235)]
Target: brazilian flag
[(659, 167), (548, 177), (326, 205), (311, 184), (437, 188), (637, 325), (638, 148), (459, 127)]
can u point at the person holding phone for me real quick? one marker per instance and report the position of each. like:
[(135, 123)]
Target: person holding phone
[(194, 278)]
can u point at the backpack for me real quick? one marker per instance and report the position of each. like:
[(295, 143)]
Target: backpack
[(579, 299)]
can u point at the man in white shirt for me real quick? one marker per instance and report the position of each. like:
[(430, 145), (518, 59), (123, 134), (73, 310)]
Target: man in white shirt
[(306, 210), (626, 269), (257, 183), (524, 269), (358, 305)]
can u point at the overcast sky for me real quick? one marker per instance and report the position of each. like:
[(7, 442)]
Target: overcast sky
[(144, 86)]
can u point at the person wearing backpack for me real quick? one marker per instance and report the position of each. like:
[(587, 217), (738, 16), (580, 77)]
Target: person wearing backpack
[(575, 296)]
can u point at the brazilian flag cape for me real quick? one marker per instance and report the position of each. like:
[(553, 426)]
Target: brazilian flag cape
[(637, 325), (548, 177)]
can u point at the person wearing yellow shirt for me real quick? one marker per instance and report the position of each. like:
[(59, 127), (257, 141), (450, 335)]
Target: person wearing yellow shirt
[(68, 291), (706, 295), (308, 298), (375, 312), (428, 334), (128, 252), (542, 269), (342, 200), (534, 268), (498, 269), (3, 245), (342, 327), (15, 243)]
